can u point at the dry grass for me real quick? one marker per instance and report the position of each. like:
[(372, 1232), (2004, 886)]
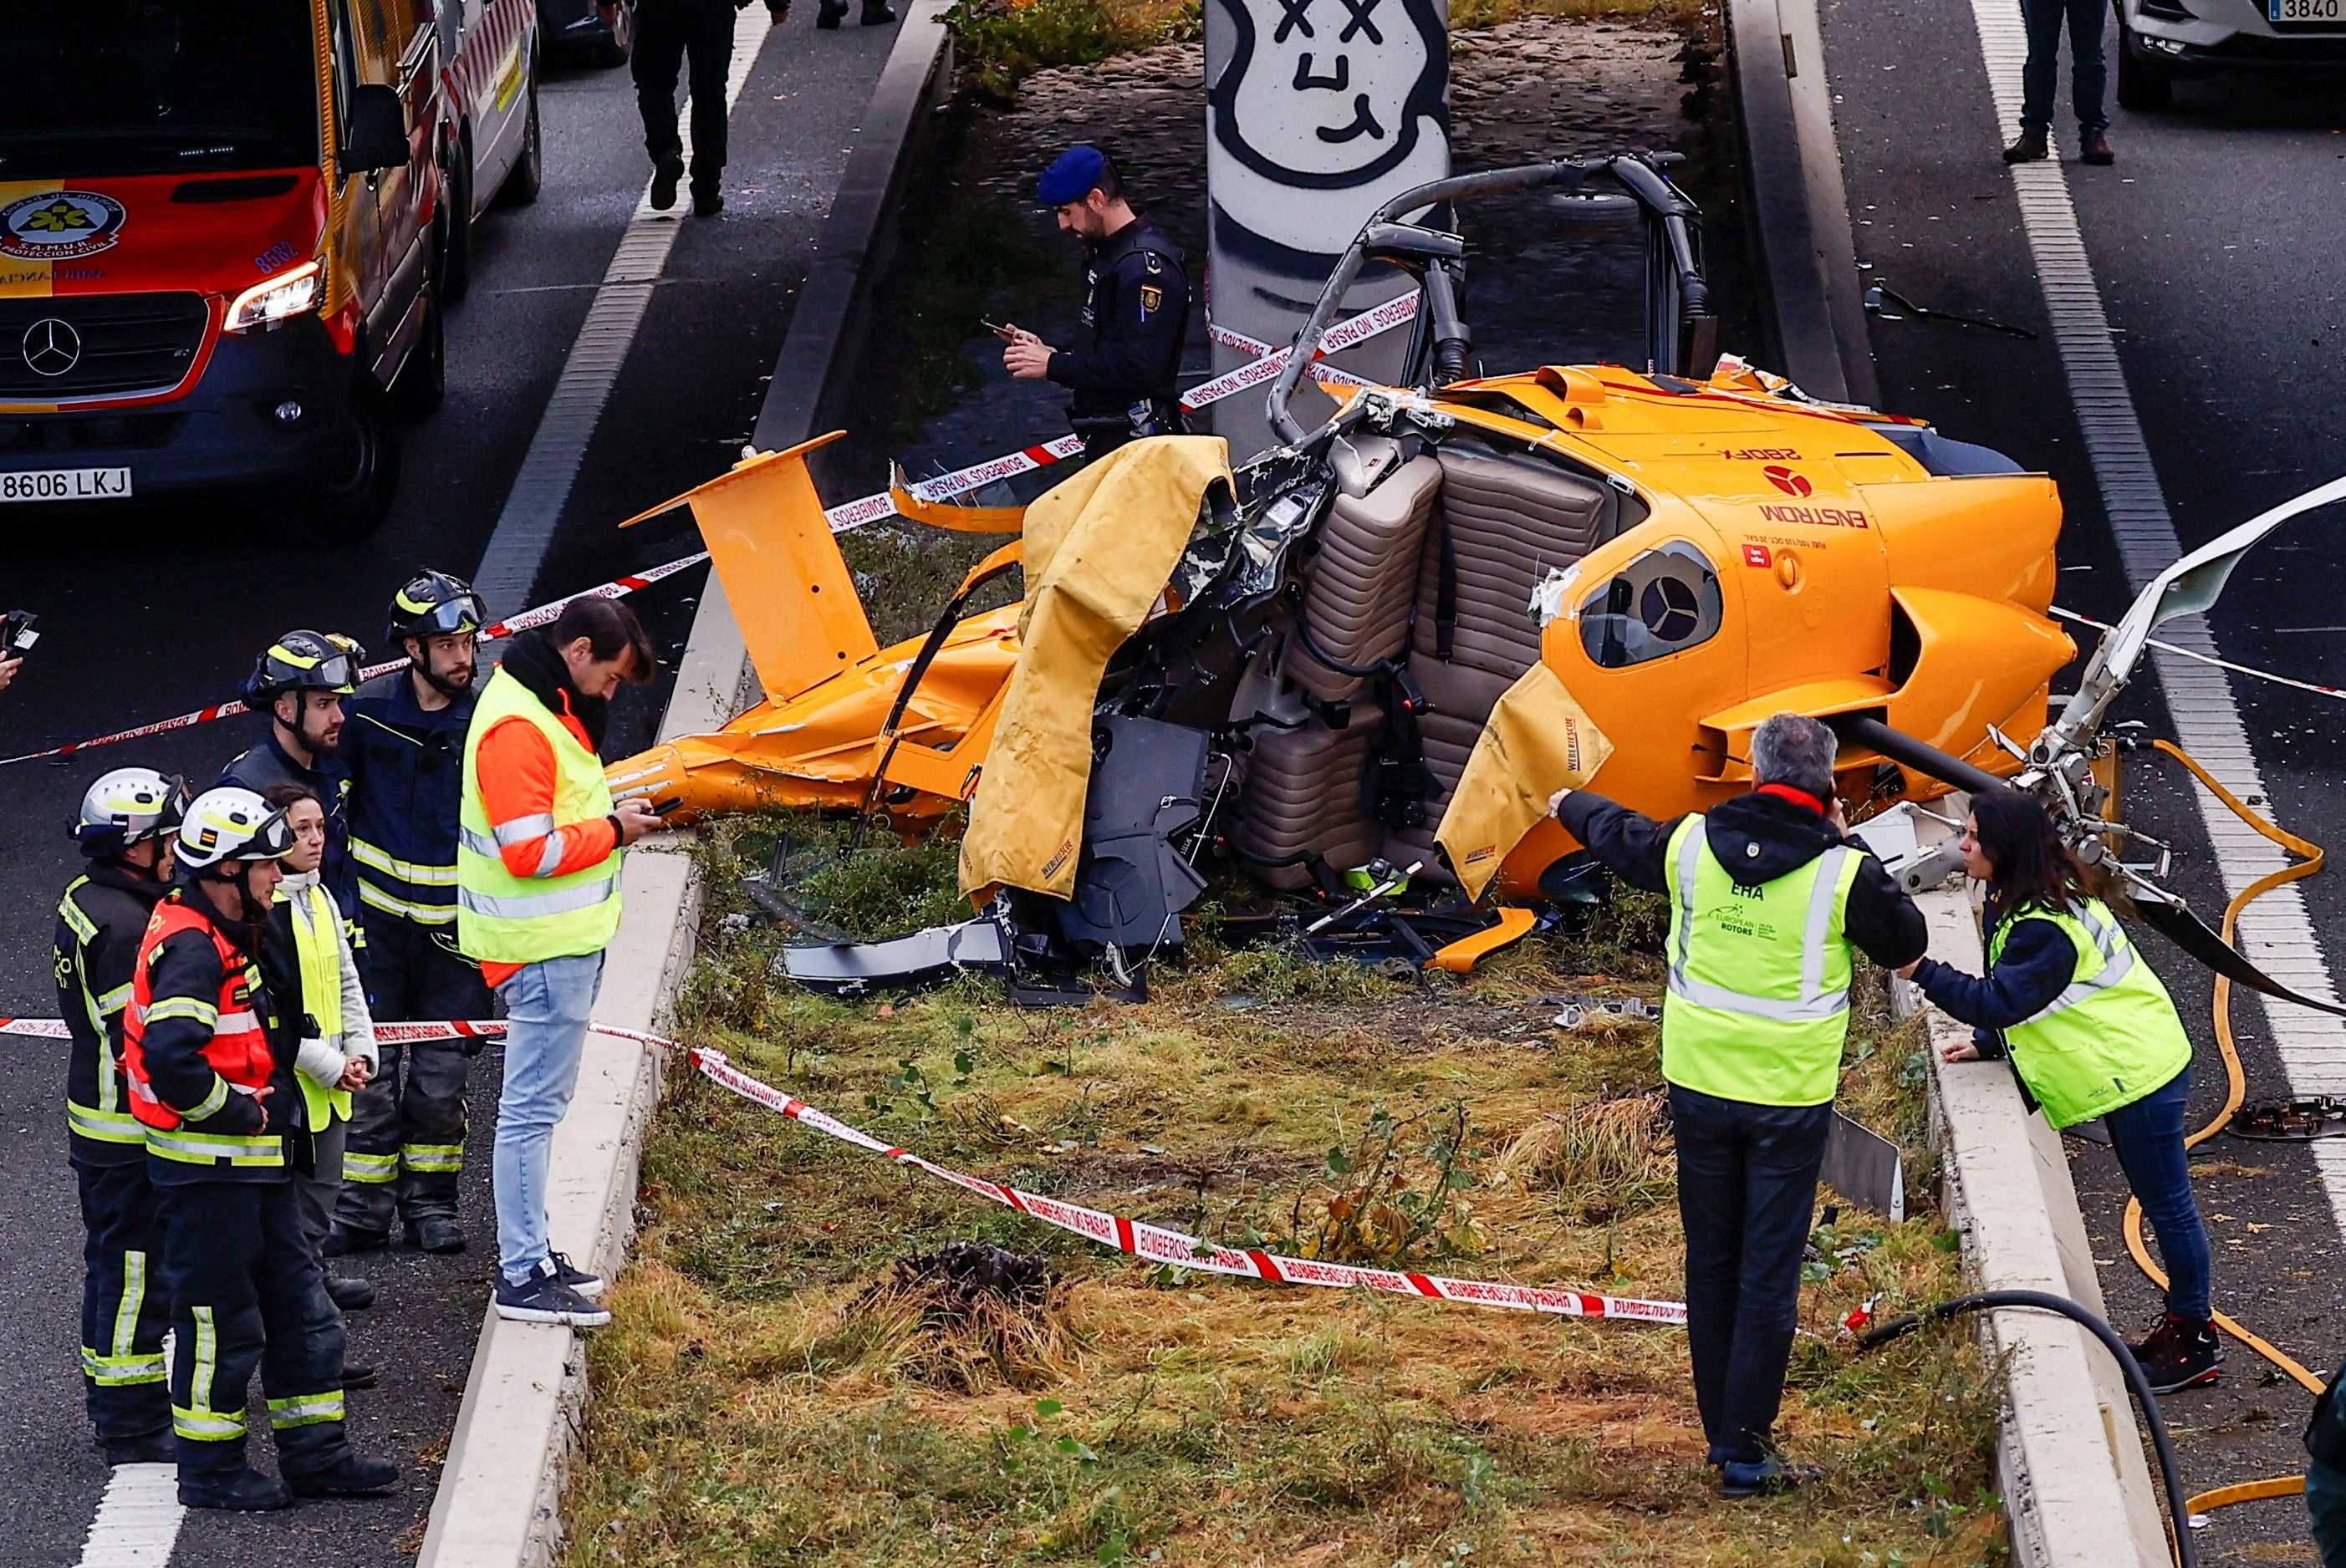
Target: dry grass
[(777, 1391)]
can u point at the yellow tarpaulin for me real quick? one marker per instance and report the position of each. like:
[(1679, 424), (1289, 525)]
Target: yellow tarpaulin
[(1537, 741), (1099, 550)]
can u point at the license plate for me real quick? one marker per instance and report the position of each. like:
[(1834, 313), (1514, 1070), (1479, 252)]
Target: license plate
[(2306, 10), (82, 483)]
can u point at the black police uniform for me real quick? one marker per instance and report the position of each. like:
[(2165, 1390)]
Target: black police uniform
[(1136, 303), (246, 1288), (667, 33), (406, 767), (124, 1312), (265, 766)]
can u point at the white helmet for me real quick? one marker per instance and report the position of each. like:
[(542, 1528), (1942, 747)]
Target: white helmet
[(126, 807), (230, 822)]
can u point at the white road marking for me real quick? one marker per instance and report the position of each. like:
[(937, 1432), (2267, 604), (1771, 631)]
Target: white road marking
[(137, 1520), (542, 488), (2275, 931)]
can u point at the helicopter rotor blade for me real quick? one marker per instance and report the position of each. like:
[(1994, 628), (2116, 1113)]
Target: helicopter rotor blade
[(2173, 920)]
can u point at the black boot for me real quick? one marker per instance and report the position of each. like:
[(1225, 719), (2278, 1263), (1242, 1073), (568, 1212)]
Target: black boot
[(342, 1241), (349, 1293), (215, 1475), (434, 1232), (358, 1375), (2093, 147), (667, 169), (154, 1448), (831, 14), (2180, 1354), (347, 1476), (877, 13), (2033, 147)]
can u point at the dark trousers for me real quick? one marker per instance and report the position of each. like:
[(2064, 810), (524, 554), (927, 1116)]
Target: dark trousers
[(406, 1145), (124, 1311), (2147, 1137), (2325, 1508), (247, 1292), (2088, 73), (667, 32), (1747, 1190)]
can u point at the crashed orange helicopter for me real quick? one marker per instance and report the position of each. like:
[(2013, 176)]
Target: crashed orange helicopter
[(1384, 643)]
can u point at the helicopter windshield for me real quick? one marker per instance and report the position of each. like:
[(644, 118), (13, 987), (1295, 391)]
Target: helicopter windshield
[(1664, 602)]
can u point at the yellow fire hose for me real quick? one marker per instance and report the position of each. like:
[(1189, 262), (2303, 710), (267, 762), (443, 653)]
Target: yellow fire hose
[(2236, 1080)]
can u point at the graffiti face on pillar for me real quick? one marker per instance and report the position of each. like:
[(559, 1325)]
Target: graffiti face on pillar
[(1324, 108)]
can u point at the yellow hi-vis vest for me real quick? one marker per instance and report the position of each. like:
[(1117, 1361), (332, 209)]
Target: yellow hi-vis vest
[(505, 919), (316, 945), (2110, 1037), (1758, 1007)]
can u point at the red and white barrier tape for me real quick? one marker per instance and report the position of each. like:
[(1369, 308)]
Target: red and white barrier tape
[(1159, 1245), (855, 514), (393, 1033)]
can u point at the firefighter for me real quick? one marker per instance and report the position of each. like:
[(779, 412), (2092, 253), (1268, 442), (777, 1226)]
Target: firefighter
[(538, 901), (1766, 901), (403, 749), (209, 1059), (337, 1054), (300, 683), (128, 818), (1135, 301)]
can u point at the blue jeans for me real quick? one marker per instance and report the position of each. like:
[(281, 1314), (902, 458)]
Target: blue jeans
[(2087, 74), (2147, 1136), (2325, 1507), (547, 1005)]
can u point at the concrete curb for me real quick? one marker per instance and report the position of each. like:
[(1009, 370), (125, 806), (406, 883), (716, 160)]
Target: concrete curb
[(1791, 161), (2071, 1470), (500, 1494)]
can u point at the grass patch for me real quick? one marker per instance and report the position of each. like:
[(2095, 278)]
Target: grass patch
[(1000, 42), (793, 1377)]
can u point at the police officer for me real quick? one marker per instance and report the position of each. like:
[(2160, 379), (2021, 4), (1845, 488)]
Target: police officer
[(129, 819), (1767, 898), (209, 1056), (1135, 301), (300, 683), (403, 749)]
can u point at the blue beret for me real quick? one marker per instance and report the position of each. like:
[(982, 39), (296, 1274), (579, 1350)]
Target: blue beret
[(1072, 177)]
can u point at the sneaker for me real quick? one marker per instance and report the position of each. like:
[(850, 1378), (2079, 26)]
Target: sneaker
[(2033, 147), (350, 1294), (348, 1476), (154, 1448), (435, 1233), (543, 1298), (587, 1285), (342, 1241), (665, 171), (2093, 147), (2180, 1354), (1767, 1478)]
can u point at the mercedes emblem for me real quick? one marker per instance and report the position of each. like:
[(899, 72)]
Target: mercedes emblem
[(52, 347)]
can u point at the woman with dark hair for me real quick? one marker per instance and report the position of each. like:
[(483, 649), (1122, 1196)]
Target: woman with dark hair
[(2091, 1032)]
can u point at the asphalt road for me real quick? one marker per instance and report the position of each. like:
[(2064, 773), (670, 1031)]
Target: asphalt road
[(2214, 240), (151, 613)]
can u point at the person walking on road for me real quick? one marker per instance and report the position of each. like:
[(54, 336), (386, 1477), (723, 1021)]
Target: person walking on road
[(208, 1054), (316, 971), (301, 683), (537, 901), (129, 820), (2091, 1032), (668, 32), (404, 749), (2040, 75), (1768, 898), (1135, 302)]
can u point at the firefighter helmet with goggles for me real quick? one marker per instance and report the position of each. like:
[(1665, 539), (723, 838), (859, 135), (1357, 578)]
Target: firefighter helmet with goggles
[(436, 604), (230, 822), (305, 661), (126, 807)]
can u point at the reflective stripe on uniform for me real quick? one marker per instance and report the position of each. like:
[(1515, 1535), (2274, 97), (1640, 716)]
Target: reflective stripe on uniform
[(104, 1126), (210, 1148), (431, 1156), (116, 1000), (197, 1419), (2118, 962), (1815, 1001), (126, 1312), (122, 1371), (305, 1409), (210, 1105), (193, 1007), (425, 876), (521, 831), (374, 897), (370, 1170), (585, 896)]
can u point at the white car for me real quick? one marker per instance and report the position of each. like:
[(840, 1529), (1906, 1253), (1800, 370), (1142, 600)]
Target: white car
[(2161, 41), (490, 145)]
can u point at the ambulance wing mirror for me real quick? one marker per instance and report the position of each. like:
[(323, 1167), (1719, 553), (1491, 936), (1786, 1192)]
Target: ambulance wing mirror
[(377, 133)]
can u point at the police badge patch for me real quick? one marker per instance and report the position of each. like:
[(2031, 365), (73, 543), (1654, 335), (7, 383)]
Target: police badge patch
[(1151, 297)]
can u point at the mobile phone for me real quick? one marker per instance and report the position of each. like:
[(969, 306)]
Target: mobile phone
[(18, 633), (1006, 333)]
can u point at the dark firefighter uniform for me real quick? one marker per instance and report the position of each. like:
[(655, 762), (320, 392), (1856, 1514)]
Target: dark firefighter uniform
[(265, 766), (407, 1135), (1136, 304), (124, 1311), (204, 1034)]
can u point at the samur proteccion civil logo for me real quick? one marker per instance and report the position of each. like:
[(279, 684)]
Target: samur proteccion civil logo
[(60, 226)]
